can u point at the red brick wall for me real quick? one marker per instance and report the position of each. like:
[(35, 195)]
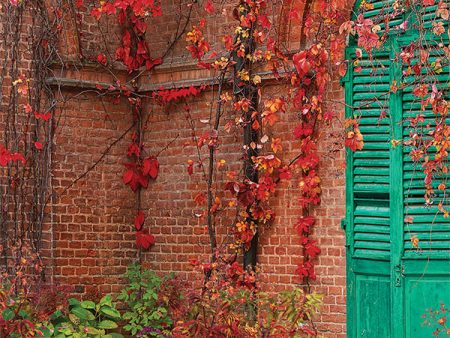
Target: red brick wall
[(93, 220), (91, 223)]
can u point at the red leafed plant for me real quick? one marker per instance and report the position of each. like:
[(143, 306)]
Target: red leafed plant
[(230, 304), (137, 175), (131, 16), (144, 239), (6, 157), (165, 96), (139, 170)]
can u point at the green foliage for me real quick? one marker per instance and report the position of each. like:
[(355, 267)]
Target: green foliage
[(145, 308), (85, 319), (16, 314), (244, 312), (287, 313), (228, 304)]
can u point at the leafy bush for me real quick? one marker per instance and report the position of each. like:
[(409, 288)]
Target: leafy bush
[(17, 316), (22, 307), (145, 307), (30, 309), (230, 304), (227, 304), (85, 319)]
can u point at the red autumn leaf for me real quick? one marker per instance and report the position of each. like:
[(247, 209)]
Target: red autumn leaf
[(152, 63), (79, 3), (270, 119), (421, 90), (303, 130), (28, 108), (128, 176), (304, 225), (200, 198), (306, 269), (151, 167), (216, 205), (134, 178), (139, 220), (142, 49), (144, 240), (141, 180), (246, 198), (328, 116), (133, 149), (167, 95), (140, 26), (45, 116), (190, 168), (96, 13), (101, 58), (342, 69), (126, 39), (38, 145), (256, 125), (311, 248), (301, 63), (354, 140), (264, 21), (285, 173), (301, 271), (209, 7), (6, 156)]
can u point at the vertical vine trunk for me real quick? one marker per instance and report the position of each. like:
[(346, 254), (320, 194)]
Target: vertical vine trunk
[(249, 91)]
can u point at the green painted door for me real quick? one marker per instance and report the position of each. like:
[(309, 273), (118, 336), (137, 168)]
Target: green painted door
[(397, 234), (424, 276), (369, 213)]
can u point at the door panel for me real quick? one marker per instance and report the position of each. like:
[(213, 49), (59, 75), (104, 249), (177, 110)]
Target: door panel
[(422, 294), (373, 321), (368, 202), (426, 236), (392, 281), (397, 235)]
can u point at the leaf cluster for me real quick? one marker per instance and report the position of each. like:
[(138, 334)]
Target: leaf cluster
[(145, 308), (85, 319)]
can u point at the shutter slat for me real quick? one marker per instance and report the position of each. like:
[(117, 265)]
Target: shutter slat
[(371, 174), (429, 224)]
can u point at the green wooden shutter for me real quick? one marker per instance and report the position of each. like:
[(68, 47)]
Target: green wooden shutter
[(376, 11), (391, 283), (428, 14), (425, 268), (368, 199), (428, 223), (371, 213)]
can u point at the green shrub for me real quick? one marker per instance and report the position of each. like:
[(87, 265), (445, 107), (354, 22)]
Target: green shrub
[(144, 307), (85, 319)]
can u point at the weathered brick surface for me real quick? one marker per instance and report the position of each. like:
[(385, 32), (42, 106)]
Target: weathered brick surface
[(90, 235)]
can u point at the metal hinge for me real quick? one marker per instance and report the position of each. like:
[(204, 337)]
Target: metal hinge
[(347, 235), (399, 273), (343, 224)]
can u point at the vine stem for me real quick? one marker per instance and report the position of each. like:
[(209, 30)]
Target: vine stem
[(210, 217), (92, 167)]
